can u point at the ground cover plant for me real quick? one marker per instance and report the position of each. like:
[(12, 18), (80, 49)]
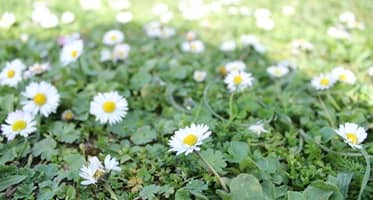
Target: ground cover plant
[(186, 99)]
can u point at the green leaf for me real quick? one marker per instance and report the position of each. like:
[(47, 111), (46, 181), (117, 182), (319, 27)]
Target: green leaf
[(238, 151), (143, 135), (64, 132), (10, 180), (317, 193), (149, 191), (344, 180), (182, 194), (215, 158), (295, 195), (245, 186), (45, 148)]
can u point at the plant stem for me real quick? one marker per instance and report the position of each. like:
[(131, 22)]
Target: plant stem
[(365, 180), (108, 188), (332, 101), (23, 148), (231, 107), (213, 171), (329, 116)]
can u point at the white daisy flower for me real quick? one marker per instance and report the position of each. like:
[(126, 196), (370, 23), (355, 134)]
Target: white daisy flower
[(109, 107), (257, 128), (199, 76), (252, 41), (188, 139), (277, 71), (40, 97), (352, 134), (156, 30), (111, 164), (7, 20), (67, 17), (339, 32), (228, 45), (35, 69), (18, 123), (323, 81), (105, 55), (11, 75), (300, 45), (348, 18), (265, 23), (238, 81), (121, 51), (235, 66), (344, 75), (124, 17), (166, 17), (113, 37), (71, 52), (92, 172), (195, 46)]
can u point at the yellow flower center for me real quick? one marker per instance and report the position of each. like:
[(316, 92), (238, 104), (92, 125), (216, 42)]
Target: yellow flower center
[(40, 99), (19, 125), (352, 138), (109, 106), (342, 77), (277, 72), (190, 139), (98, 174), (113, 38), (74, 53), (324, 81), (237, 80), (11, 73), (193, 47), (222, 70)]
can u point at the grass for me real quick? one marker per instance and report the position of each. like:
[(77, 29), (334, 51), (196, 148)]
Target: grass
[(300, 157)]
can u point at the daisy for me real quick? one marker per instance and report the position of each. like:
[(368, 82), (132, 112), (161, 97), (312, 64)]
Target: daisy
[(37, 68), (18, 123), (109, 107), (277, 71), (41, 97), (11, 75), (352, 134), (199, 76), (71, 52), (323, 81), (188, 139), (67, 17), (195, 46), (235, 66), (252, 41), (339, 32), (228, 45), (124, 17), (105, 55), (121, 52), (7, 20), (111, 164), (265, 23), (300, 45), (344, 75), (348, 18), (92, 172), (238, 81), (113, 37), (258, 128)]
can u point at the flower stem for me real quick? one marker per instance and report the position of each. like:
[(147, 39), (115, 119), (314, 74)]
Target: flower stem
[(231, 107), (332, 101), (112, 193), (365, 180), (213, 171), (23, 148)]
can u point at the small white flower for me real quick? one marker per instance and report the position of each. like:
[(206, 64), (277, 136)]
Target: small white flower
[(265, 23), (195, 46), (24, 37), (105, 55), (339, 32), (43, 16), (344, 75), (252, 41), (348, 18), (262, 13), (11, 75), (277, 70), (121, 52), (258, 128), (288, 10), (190, 36), (109, 107), (35, 69), (113, 37), (188, 139), (235, 66), (124, 17), (166, 17), (40, 97), (111, 164), (352, 134), (71, 52), (300, 45), (238, 81), (67, 17), (18, 123), (228, 45), (92, 172), (156, 30), (370, 71), (323, 81), (199, 76), (7, 20)]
